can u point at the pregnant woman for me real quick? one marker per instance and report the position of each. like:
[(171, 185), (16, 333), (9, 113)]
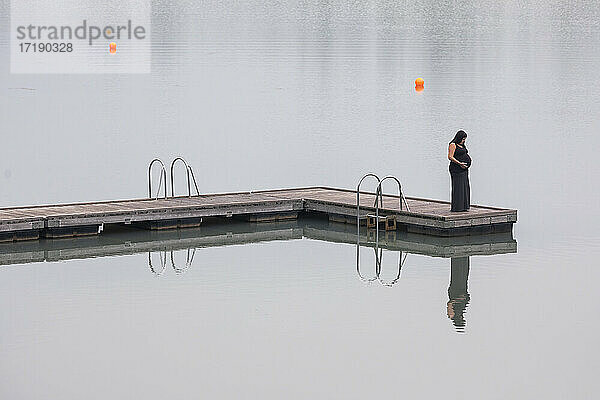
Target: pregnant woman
[(459, 172)]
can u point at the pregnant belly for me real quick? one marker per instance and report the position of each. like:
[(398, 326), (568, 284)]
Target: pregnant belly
[(467, 160)]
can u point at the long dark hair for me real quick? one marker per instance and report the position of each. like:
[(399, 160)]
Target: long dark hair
[(460, 135)]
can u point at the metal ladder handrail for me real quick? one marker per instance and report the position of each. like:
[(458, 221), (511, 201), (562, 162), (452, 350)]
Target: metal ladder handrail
[(377, 197), (194, 180), (400, 194), (162, 177), (358, 221), (377, 205), (189, 173)]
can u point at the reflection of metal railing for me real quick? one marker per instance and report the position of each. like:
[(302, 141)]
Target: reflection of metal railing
[(162, 178), (374, 278), (378, 261), (163, 261), (188, 261)]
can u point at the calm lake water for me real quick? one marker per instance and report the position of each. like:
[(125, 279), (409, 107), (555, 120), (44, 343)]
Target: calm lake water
[(261, 95)]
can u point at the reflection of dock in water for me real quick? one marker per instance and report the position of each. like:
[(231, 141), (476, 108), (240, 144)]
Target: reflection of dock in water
[(434, 246), (127, 242), (141, 241)]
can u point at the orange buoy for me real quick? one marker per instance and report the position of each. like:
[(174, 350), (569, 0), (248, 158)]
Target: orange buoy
[(419, 88), (419, 82), (113, 48)]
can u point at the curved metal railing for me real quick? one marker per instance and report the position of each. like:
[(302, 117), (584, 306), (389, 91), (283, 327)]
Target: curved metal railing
[(189, 174), (162, 178), (400, 194), (377, 196)]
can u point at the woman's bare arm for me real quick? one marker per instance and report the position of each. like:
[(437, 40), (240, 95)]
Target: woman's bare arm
[(451, 150)]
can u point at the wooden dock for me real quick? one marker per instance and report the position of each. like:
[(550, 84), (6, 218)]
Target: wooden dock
[(431, 217)]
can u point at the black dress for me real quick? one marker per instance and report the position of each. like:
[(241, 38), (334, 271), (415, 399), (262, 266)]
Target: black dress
[(461, 191)]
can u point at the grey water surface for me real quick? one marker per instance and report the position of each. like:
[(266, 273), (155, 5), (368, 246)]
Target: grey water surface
[(269, 94)]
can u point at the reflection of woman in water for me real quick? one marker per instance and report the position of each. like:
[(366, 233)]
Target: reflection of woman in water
[(457, 292)]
